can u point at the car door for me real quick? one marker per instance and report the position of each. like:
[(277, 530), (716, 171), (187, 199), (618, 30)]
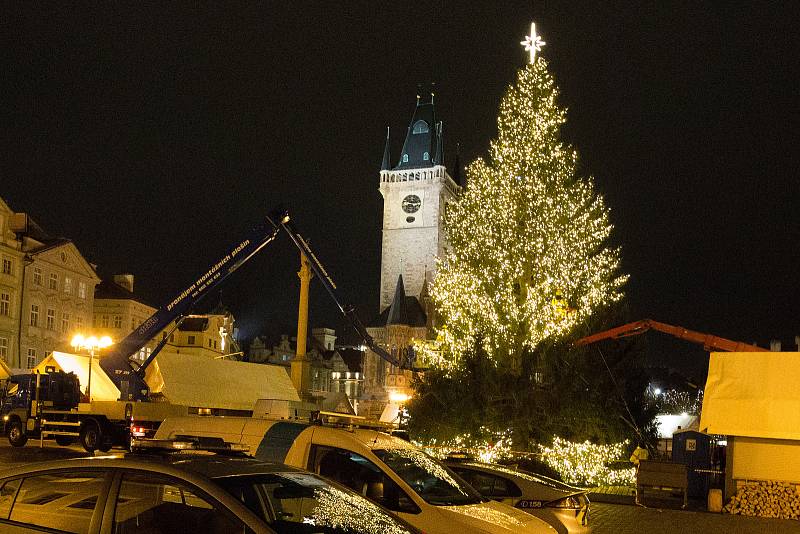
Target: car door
[(58, 500), (146, 502), (489, 485)]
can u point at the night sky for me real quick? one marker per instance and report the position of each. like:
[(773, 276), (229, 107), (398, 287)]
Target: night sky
[(155, 138)]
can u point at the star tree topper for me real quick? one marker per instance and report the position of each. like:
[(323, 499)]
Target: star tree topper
[(533, 43)]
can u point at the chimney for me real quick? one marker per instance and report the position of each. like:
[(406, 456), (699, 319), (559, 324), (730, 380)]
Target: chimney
[(775, 345), (124, 280)]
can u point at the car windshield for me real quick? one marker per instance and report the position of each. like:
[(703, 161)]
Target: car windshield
[(435, 483), (303, 502)]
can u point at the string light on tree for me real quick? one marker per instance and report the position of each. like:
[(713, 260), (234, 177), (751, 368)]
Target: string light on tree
[(528, 258), (533, 43)]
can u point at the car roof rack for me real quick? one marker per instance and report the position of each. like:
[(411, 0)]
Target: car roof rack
[(188, 444), (344, 420)]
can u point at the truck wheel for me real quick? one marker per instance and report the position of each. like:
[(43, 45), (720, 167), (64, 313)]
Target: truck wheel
[(16, 434), (90, 436), (106, 444), (65, 441)]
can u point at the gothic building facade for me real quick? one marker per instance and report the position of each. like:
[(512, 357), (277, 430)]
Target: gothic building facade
[(416, 191)]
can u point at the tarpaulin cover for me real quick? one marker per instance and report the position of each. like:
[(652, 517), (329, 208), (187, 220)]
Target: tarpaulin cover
[(193, 380), (753, 394), (103, 389)]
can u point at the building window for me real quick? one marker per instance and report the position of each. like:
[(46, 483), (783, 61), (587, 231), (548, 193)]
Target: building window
[(190, 340), (104, 321), (172, 338), (4, 349), (210, 344), (117, 321), (7, 266), (420, 127), (426, 156), (52, 282), (64, 323), (34, 315), (67, 284), (82, 290), (51, 319), (78, 322), (5, 304), (405, 158), (31, 363), (37, 276)]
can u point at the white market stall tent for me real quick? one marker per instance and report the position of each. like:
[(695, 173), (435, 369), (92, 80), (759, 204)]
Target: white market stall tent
[(197, 381)]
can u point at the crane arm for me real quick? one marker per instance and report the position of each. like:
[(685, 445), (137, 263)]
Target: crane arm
[(281, 219), (116, 362), (709, 342)]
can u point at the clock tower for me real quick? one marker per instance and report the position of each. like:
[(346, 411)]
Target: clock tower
[(415, 192)]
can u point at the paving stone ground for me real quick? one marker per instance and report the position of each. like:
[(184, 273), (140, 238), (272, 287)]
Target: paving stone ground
[(628, 519)]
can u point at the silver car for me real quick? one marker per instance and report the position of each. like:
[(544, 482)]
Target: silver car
[(193, 492), (564, 507)]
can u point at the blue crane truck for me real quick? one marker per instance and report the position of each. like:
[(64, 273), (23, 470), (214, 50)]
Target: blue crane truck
[(48, 405)]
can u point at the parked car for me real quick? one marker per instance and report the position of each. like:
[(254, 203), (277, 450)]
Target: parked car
[(564, 507), (198, 492), (384, 468)]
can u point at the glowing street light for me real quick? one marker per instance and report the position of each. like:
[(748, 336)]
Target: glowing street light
[(91, 343)]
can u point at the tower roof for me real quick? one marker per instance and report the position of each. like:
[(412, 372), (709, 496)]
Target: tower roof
[(404, 310), (423, 145), (386, 164)]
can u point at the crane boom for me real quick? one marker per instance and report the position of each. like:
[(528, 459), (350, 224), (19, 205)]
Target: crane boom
[(130, 381), (709, 342), (281, 219)]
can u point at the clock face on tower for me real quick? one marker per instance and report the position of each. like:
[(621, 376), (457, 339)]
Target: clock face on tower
[(411, 204)]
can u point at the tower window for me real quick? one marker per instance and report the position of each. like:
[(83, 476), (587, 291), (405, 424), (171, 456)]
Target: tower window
[(405, 158), (426, 156), (420, 127)]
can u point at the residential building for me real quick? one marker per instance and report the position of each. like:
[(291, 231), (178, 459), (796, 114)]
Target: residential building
[(118, 311), (46, 290)]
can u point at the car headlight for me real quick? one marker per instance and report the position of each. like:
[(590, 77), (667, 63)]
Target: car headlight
[(568, 502)]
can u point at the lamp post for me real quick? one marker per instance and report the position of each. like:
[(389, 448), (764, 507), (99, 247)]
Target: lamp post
[(91, 344)]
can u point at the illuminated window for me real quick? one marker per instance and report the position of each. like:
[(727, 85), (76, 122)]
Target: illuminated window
[(420, 127), (405, 158), (426, 156), (67, 284), (79, 322), (5, 304), (52, 282), (82, 290), (34, 314), (117, 321), (31, 361), (7, 266), (51, 319), (4, 349), (104, 321), (37, 276)]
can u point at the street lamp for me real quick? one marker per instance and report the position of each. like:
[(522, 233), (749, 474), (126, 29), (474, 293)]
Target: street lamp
[(91, 344)]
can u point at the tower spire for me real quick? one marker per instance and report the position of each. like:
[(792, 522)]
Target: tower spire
[(386, 164)]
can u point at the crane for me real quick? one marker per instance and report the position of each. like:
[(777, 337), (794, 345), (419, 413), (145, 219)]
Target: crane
[(709, 342)]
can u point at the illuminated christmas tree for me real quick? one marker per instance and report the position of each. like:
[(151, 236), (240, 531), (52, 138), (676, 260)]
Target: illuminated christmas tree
[(528, 255)]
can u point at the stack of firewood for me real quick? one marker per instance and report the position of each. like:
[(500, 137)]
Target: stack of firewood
[(766, 499)]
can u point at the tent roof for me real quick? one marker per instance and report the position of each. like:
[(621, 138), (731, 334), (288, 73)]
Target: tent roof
[(103, 389), (752, 394), (193, 380)]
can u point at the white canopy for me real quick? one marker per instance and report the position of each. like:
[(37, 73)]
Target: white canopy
[(103, 389), (753, 394), (192, 380)]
